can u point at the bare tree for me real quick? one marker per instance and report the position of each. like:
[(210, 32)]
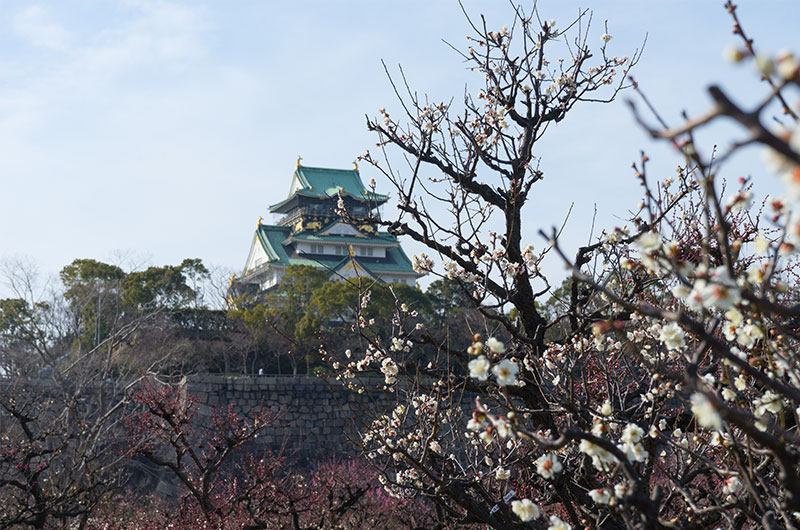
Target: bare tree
[(62, 394)]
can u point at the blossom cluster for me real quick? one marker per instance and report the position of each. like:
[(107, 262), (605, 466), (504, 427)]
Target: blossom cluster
[(660, 382)]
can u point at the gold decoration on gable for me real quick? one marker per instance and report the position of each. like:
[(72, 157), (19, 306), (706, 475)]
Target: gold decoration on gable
[(367, 228)]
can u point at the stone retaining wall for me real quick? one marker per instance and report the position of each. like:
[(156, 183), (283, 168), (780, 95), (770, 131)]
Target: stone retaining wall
[(317, 414)]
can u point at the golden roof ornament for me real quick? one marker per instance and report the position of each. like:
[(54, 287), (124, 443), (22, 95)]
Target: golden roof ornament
[(299, 158), (355, 164), (260, 219)]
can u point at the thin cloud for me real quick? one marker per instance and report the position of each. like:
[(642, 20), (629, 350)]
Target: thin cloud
[(36, 25)]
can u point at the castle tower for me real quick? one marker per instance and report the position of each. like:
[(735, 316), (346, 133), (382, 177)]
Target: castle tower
[(311, 232)]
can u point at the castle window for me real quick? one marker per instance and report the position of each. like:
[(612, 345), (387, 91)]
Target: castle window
[(317, 249), (365, 251), (340, 250)]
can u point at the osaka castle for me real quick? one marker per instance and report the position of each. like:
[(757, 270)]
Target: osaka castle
[(309, 231)]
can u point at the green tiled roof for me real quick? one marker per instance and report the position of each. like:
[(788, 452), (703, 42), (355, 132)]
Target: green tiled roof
[(381, 237), (395, 261), (272, 237), (325, 183)]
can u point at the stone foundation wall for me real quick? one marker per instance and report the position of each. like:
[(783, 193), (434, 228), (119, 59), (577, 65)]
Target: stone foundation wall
[(317, 414)]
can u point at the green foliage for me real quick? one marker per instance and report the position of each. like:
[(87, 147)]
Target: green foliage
[(15, 316), (331, 302), (338, 301), (448, 297), (92, 289), (306, 306), (255, 318), (103, 296), (85, 270), (164, 287), (385, 299), (20, 323), (290, 300), (284, 308)]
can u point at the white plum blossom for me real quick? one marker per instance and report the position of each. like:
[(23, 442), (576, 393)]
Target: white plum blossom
[(721, 292), (557, 524), (600, 496), (680, 291), (734, 316), (634, 452), (389, 369), (637, 453), (502, 473), (476, 348), (713, 295), (728, 394), (599, 427), (705, 412), (769, 402), (632, 433), (788, 66), (621, 490), (479, 368), (761, 245), (733, 54), (748, 335), (421, 263), (495, 345), (600, 457), (506, 372), (792, 239), (486, 436), (503, 428), (649, 242), (548, 465), (672, 336), (525, 509), (732, 485), (791, 179), (475, 425), (765, 64)]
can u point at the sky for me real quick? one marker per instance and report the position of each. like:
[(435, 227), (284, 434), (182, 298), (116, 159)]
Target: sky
[(143, 132)]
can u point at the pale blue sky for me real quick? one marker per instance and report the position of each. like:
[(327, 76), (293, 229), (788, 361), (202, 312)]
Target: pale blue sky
[(162, 129)]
